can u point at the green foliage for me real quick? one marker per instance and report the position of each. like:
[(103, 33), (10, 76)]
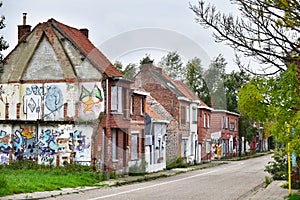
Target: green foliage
[(130, 70), (146, 59), (195, 80), (138, 169), (178, 163), (267, 181), (214, 79), (294, 197), (173, 66), (275, 102), (278, 166)]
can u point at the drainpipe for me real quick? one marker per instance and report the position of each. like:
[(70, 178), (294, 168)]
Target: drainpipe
[(103, 132)]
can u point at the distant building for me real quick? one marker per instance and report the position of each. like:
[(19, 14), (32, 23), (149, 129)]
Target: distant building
[(224, 131)]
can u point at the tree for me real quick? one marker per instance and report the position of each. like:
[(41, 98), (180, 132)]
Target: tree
[(232, 83), (214, 78), (195, 81), (130, 70), (275, 102), (172, 65), (146, 59), (265, 30), (3, 43)]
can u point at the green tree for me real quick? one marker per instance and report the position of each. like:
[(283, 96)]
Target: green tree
[(130, 70), (3, 43), (172, 65), (146, 59), (214, 79), (232, 83), (265, 30), (275, 101), (195, 81)]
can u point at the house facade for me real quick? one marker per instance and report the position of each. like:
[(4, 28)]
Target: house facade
[(62, 101), (157, 121), (183, 109), (224, 131)]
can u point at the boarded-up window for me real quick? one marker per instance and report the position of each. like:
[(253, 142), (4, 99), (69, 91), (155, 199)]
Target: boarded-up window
[(114, 144), (183, 115), (134, 146), (116, 99)]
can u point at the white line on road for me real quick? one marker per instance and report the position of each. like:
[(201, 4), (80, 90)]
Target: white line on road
[(151, 186)]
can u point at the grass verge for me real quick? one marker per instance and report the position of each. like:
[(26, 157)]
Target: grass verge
[(26, 178)]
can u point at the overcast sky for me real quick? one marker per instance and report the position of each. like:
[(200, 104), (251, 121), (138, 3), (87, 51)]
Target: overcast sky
[(126, 29)]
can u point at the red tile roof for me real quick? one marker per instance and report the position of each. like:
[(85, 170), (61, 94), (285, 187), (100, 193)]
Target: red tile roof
[(87, 48), (188, 92)]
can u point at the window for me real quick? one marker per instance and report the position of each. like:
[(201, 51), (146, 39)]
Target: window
[(116, 99), (187, 114), (114, 144), (204, 120), (235, 125), (142, 106), (194, 115), (134, 146), (226, 122), (208, 121), (131, 105), (183, 115)]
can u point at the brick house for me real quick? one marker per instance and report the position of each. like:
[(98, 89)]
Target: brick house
[(62, 100), (224, 131), (204, 130), (166, 92), (137, 127)]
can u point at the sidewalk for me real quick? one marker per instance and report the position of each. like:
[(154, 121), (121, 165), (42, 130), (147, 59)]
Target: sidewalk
[(274, 191)]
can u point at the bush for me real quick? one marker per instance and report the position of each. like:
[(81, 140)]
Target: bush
[(138, 169), (278, 166), (178, 163)]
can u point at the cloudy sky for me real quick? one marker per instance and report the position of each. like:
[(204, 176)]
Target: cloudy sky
[(125, 30)]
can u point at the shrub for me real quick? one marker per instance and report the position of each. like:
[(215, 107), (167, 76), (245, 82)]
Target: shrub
[(178, 163), (278, 166), (138, 169)]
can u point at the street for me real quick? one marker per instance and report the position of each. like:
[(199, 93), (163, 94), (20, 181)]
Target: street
[(229, 181)]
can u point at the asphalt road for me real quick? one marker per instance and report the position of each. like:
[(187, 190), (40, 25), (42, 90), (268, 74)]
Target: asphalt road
[(230, 181)]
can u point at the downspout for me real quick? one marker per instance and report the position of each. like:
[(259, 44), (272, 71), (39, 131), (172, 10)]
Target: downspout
[(103, 132)]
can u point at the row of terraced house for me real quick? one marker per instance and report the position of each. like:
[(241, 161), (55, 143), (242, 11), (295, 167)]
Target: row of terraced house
[(61, 100)]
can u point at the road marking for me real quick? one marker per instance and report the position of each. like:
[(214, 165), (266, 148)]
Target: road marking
[(151, 186)]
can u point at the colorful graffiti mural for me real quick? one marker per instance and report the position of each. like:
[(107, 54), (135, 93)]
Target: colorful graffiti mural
[(47, 145), (5, 146), (90, 98)]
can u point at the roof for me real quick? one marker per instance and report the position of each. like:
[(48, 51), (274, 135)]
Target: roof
[(52, 34), (156, 110), (87, 48), (188, 92)]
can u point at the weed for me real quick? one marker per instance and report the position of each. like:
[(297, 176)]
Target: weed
[(267, 181)]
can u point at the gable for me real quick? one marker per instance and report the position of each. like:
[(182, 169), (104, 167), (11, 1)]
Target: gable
[(44, 64)]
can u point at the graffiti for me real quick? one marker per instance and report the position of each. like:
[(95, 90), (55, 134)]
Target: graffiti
[(5, 145), (24, 143), (46, 146), (32, 102), (90, 98), (53, 100)]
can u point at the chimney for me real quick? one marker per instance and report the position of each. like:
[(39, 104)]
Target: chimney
[(85, 32), (23, 30)]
